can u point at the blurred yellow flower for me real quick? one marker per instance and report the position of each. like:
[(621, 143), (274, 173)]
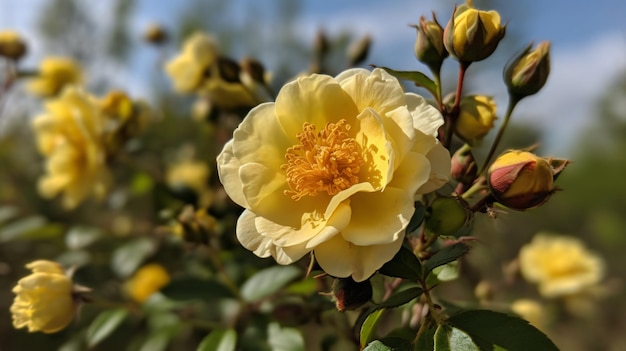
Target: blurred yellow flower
[(334, 166), (146, 281), (69, 135), (193, 175), (44, 299), (476, 118), (12, 45), (472, 35), (560, 265), (54, 74), (532, 311), (201, 69)]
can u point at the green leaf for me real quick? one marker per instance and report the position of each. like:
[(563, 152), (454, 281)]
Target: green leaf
[(104, 324), (21, 228), (448, 338), (377, 346), (219, 340), (81, 237), (284, 339), (127, 258), (159, 339), (268, 281), (425, 335), (417, 218), (7, 212), (368, 329), (491, 330), (190, 288), (403, 265), (402, 297), (419, 78), (446, 255)]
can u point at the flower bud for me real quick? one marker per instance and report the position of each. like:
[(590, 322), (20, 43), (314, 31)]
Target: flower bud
[(445, 216), (464, 168), (476, 118), (429, 48), (155, 34), (350, 295), (473, 35), (520, 180), (12, 45), (357, 52), (527, 73)]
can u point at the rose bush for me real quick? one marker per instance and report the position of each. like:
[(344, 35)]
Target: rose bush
[(334, 166)]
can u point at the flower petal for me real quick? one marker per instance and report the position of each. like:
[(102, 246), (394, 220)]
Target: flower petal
[(376, 89), (341, 258), (439, 158), (426, 118)]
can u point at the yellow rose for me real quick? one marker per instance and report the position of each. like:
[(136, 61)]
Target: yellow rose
[(12, 45), (520, 180), (188, 69), (333, 166), (473, 35), (146, 281), (44, 299), (560, 265), (54, 74), (476, 118), (69, 135), (193, 175)]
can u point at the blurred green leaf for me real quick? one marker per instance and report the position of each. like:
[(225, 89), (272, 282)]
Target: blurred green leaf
[(368, 329), (104, 324), (219, 340), (159, 340), (284, 339), (141, 184), (448, 338), (445, 255), (489, 330), (76, 258), (80, 237), (417, 218), (403, 265), (189, 288), (377, 346), (303, 287), (401, 298), (127, 258), (425, 335), (7, 212), (419, 78), (268, 281), (26, 227)]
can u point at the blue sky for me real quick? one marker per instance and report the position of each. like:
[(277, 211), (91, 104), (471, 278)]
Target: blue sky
[(588, 45)]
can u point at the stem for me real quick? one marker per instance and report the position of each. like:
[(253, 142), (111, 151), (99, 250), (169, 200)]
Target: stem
[(453, 115), (437, 78), (478, 185), (513, 100)]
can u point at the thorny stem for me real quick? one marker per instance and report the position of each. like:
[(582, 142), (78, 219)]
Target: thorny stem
[(513, 100)]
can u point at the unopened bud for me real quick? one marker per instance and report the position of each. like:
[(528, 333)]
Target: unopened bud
[(254, 69), (527, 73), (446, 216), (477, 115), (228, 69), (321, 44), (357, 53), (429, 48), (350, 295), (521, 180), (472, 35), (463, 168), (12, 46)]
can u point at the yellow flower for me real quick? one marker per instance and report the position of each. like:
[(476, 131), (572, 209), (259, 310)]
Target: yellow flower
[(532, 311), (54, 74), (201, 69), (125, 118), (476, 118), (472, 35), (69, 135), (146, 281), (12, 45), (193, 175), (44, 299), (333, 166), (560, 265)]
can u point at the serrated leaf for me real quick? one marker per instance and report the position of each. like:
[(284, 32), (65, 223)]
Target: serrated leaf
[(445, 255), (127, 258), (419, 78), (490, 330), (368, 329), (417, 218), (189, 288), (377, 346), (284, 339), (104, 324), (219, 340), (403, 265), (268, 281), (448, 338), (402, 297)]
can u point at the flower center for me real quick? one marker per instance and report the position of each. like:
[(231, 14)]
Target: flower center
[(328, 160)]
